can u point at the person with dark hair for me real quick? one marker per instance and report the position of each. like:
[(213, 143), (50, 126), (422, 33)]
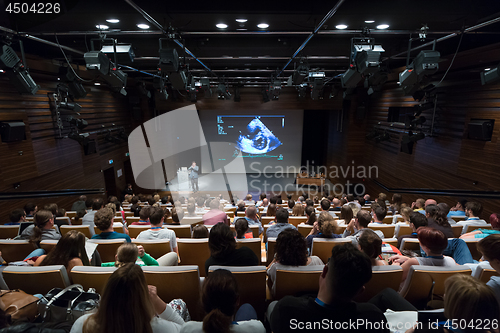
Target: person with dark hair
[(291, 204), (223, 250), (397, 200), (157, 231), (241, 227), (79, 205), (273, 200), (311, 215), (361, 201), (104, 221), (417, 220), (458, 209), (252, 217), (200, 231), (324, 227), (433, 242), (343, 277), (444, 209), (379, 213), (290, 250), (356, 226), (41, 229), (220, 300), (346, 215), (325, 204), (215, 215), (490, 249), (191, 210), (30, 209), (367, 199), (437, 220), (241, 206), (128, 190), (143, 217), (88, 219), (17, 216), (271, 210), (472, 210), (309, 202), (371, 245), (281, 223)]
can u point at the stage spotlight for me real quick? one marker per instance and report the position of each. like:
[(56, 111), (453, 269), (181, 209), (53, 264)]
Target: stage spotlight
[(82, 138), (79, 123), (368, 61), (178, 80), (223, 92), (351, 78), (300, 74), (317, 89), (141, 86), (426, 63), (124, 52), (169, 60), (275, 90), (117, 80), (16, 71), (76, 89), (302, 89), (97, 61), (491, 75), (265, 95), (205, 85), (70, 106)]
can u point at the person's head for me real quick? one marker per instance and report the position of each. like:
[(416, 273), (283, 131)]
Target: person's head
[(82, 198), (355, 208), (343, 201), (241, 227), (300, 198), (473, 209), (262, 196), (361, 201), (281, 215), (97, 204), (134, 200), (397, 198), (103, 219), (200, 231), (221, 241), (156, 216), (298, 210), (200, 201), (71, 245), (431, 211), (190, 208), (265, 202), (432, 240), (291, 248), (367, 197), (273, 200), (370, 243), (430, 202), (380, 213), (347, 263), (271, 210), (61, 212), (468, 299), (326, 224), (214, 203), (125, 305), (405, 213), (126, 253), (350, 198), (150, 200), (417, 220), (382, 197), (52, 207), (112, 198), (248, 197), (30, 208), (17, 215), (177, 214), (220, 299), (111, 206), (241, 206), (495, 221), (325, 204), (167, 214), (460, 205), (291, 204), (443, 208), (335, 202), (309, 202), (363, 218), (420, 203), (346, 214), (490, 249), (43, 219), (251, 212)]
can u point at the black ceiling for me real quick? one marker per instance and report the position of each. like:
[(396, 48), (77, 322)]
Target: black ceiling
[(255, 54)]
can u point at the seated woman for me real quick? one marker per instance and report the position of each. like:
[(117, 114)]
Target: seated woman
[(298, 210), (131, 253), (433, 242), (325, 227), (223, 250), (311, 215), (346, 215), (69, 251), (290, 250), (437, 220), (220, 300), (41, 229), (271, 210), (129, 305), (103, 220), (177, 215), (482, 233), (241, 227), (371, 244), (200, 231)]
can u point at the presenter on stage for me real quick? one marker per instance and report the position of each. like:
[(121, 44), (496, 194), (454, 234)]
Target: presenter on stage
[(193, 175)]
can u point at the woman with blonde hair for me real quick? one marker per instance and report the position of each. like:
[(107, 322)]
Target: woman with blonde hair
[(130, 253), (324, 227), (298, 210), (129, 305)]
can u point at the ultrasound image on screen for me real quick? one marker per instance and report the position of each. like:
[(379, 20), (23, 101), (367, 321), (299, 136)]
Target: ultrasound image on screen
[(257, 139)]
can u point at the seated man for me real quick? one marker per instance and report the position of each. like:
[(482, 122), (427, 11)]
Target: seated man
[(458, 209), (472, 210), (88, 219), (143, 217), (343, 277), (30, 209), (191, 210), (252, 218), (103, 220), (356, 226), (417, 220), (379, 213), (280, 225), (17, 216), (215, 215), (418, 206)]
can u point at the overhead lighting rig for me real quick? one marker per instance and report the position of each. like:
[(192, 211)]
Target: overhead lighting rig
[(170, 67), (76, 89), (223, 92), (316, 82), (490, 75), (16, 70)]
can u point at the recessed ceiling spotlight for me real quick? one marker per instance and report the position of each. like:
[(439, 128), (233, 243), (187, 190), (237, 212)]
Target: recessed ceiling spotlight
[(341, 26), (382, 26), (263, 26), (102, 26), (112, 20), (142, 26), (97, 84), (242, 29), (241, 20), (369, 21), (487, 69), (221, 25)]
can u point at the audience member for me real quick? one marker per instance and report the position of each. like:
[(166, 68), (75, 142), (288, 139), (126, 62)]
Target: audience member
[(417, 220), (445, 209), (88, 219), (291, 204), (79, 205), (30, 209), (241, 206), (143, 217), (418, 206), (336, 205), (104, 221), (397, 200), (177, 214), (200, 231), (490, 249), (298, 210), (371, 245), (367, 199), (482, 233), (131, 253), (311, 215), (356, 226), (458, 209), (241, 227), (472, 210), (249, 200), (252, 218), (281, 223), (325, 227), (157, 231), (17, 216), (379, 213), (215, 215), (346, 215), (271, 210), (437, 220), (41, 229)]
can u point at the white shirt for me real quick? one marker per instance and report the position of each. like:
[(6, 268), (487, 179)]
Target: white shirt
[(163, 233), (471, 221)]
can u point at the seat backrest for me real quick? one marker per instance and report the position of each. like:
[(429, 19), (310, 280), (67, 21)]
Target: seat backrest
[(15, 250), (36, 280), (484, 272), (155, 248), (388, 230), (421, 280), (91, 276), (107, 248), (410, 244), (391, 241), (253, 244), (459, 218), (404, 230), (267, 219), (71, 213), (472, 245), (297, 280), (322, 247), (132, 219), (190, 220), (251, 283), (471, 228), (296, 220), (177, 282), (48, 244), (457, 230), (84, 229), (264, 235), (135, 230), (116, 228), (271, 245), (194, 252), (388, 219), (230, 215), (304, 229), (8, 231), (382, 277), (181, 231)]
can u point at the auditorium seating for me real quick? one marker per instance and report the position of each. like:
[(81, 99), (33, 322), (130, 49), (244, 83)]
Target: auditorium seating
[(304, 229), (252, 243), (194, 252), (15, 250), (391, 241), (155, 248), (296, 220), (388, 230), (271, 244), (297, 280), (388, 276), (410, 244), (36, 280), (322, 247), (8, 231), (181, 231), (472, 245), (484, 272), (48, 244), (457, 230), (91, 277), (107, 248), (402, 230), (470, 228), (85, 229), (135, 230)]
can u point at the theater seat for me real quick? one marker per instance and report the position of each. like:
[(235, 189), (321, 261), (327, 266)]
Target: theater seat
[(271, 244), (322, 247), (484, 272), (91, 276), (48, 244), (470, 228), (36, 280), (181, 231), (304, 229), (253, 244), (84, 229), (194, 252), (382, 277), (472, 245), (410, 244), (15, 250), (388, 230), (107, 248), (155, 248), (297, 280), (135, 230), (8, 231)]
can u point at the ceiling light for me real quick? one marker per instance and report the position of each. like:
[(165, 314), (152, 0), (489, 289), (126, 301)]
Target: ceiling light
[(241, 29), (382, 26), (263, 26), (241, 20), (143, 26), (221, 25), (487, 69), (112, 20), (97, 84), (369, 21), (341, 26), (102, 26)]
